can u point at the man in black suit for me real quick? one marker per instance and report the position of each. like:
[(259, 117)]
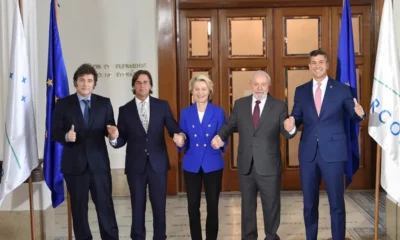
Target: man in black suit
[(141, 125), (80, 125)]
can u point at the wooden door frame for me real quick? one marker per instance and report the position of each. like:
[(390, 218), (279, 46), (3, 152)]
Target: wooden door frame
[(167, 10), (167, 77)]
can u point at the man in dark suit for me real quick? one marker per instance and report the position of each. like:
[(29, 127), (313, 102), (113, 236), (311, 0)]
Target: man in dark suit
[(259, 119), (80, 125), (141, 125), (320, 105)]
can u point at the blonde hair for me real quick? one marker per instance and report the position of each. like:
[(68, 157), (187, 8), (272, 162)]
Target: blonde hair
[(202, 78)]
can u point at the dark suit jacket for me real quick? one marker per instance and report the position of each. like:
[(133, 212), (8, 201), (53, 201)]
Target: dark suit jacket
[(328, 128), (142, 145), (260, 144), (90, 145)]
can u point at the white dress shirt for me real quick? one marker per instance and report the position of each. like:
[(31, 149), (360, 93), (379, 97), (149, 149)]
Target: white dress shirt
[(138, 106), (324, 83), (261, 105), (201, 115), (146, 106)]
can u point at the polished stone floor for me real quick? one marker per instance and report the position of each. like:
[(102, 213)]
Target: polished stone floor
[(359, 208)]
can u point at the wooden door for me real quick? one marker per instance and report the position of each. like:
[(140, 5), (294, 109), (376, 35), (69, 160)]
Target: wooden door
[(232, 43)]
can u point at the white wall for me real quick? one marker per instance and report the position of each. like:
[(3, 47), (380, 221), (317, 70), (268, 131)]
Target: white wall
[(93, 31), (101, 32), (396, 14)]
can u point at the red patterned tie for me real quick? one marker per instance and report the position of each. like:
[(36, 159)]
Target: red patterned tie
[(256, 113)]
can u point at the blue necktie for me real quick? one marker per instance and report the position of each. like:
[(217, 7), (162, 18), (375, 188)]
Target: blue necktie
[(86, 112)]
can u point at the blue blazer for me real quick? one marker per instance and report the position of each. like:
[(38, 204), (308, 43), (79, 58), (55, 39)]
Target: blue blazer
[(199, 152), (328, 128)]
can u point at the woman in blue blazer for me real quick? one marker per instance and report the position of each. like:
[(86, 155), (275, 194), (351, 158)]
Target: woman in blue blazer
[(202, 164)]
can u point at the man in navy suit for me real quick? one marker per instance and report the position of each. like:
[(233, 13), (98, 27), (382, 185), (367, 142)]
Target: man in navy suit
[(141, 125), (320, 106), (80, 125)]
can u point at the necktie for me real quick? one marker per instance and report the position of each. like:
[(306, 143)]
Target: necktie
[(256, 113), (86, 112), (143, 116), (318, 98)]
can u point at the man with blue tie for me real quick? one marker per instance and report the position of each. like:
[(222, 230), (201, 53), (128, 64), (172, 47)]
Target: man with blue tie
[(141, 125), (320, 106), (80, 124)]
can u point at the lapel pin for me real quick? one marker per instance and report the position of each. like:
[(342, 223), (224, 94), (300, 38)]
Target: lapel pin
[(330, 86)]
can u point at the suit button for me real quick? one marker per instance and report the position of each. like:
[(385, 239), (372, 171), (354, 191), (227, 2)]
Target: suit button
[(192, 126), (209, 125), (205, 145), (197, 144), (145, 150), (147, 139), (195, 135), (207, 135)]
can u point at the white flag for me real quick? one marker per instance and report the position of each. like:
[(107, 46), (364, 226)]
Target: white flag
[(20, 144), (384, 120)]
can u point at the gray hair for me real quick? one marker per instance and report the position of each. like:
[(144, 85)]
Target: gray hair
[(260, 73)]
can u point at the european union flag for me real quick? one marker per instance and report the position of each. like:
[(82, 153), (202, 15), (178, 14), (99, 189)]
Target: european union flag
[(57, 87), (346, 73)]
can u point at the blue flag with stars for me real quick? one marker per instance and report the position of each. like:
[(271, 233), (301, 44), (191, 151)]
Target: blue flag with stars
[(20, 154), (346, 73), (57, 87)]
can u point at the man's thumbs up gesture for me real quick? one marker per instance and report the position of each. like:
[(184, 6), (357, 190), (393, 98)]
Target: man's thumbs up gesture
[(71, 135), (358, 108)]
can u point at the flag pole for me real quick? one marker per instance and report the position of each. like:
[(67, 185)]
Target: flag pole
[(68, 196), (377, 184), (378, 172), (344, 175), (31, 204), (31, 208)]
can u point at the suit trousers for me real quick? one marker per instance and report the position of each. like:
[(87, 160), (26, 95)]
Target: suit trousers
[(311, 174), (157, 185), (269, 188), (212, 187), (100, 190)]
